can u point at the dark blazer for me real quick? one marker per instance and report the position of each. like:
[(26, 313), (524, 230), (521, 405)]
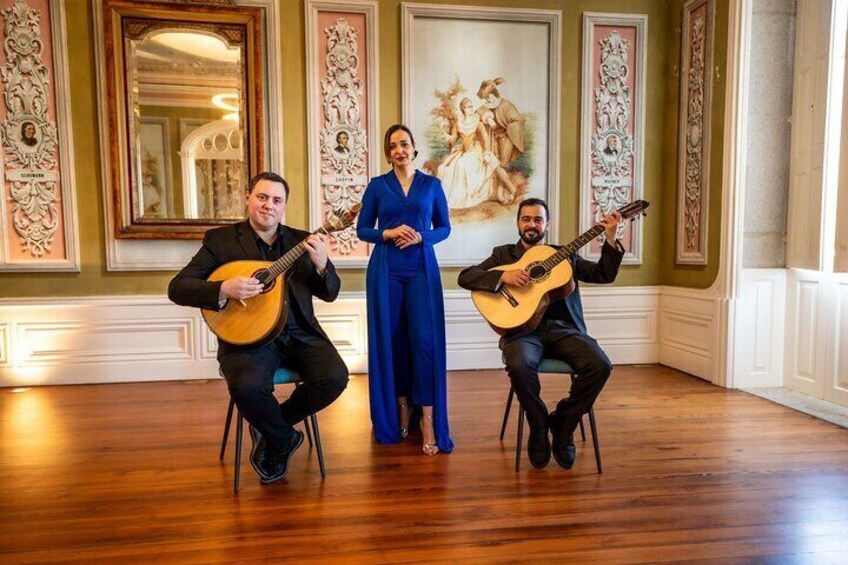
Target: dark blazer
[(237, 242), (605, 270)]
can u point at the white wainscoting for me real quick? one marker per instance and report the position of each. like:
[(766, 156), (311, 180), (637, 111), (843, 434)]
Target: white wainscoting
[(837, 389), (688, 332), (817, 335), (761, 313), (132, 338)]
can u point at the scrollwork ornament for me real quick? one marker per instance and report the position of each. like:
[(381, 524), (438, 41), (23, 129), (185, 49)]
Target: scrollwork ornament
[(28, 134), (612, 144), (694, 137), (343, 141)]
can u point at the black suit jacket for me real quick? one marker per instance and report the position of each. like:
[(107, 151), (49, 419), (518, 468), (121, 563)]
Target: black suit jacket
[(237, 242), (605, 270)]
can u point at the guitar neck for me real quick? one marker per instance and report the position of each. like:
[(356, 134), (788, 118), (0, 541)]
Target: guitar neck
[(575, 244), (283, 264)]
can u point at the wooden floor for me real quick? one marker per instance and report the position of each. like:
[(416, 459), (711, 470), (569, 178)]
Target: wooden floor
[(130, 474)]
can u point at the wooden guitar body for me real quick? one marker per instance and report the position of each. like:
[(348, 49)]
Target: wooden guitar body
[(523, 307), (259, 319)]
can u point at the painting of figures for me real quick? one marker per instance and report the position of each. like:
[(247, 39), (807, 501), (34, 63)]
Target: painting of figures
[(483, 115)]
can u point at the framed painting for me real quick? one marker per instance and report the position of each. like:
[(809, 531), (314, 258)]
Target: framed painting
[(485, 114), (612, 146)]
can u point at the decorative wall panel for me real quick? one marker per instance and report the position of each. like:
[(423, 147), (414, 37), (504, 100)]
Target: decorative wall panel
[(612, 138), (38, 206), (344, 146), (694, 145)]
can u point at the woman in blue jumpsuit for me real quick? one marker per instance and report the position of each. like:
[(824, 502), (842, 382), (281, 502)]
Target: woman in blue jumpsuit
[(406, 318)]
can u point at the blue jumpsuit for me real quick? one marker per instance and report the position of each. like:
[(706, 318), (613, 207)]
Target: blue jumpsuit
[(406, 318)]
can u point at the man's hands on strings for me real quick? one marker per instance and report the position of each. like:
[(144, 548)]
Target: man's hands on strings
[(403, 236), (239, 288), (316, 247), (521, 278), (610, 224), (516, 277)]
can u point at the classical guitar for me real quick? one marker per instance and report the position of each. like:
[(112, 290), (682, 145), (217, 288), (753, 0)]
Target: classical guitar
[(516, 309), (258, 320)]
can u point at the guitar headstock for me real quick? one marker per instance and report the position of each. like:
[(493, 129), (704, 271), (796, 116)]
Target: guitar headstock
[(634, 209), (338, 223)]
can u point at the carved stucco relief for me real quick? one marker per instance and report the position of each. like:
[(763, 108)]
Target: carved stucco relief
[(612, 117), (343, 140), (612, 144), (693, 186), (28, 134)]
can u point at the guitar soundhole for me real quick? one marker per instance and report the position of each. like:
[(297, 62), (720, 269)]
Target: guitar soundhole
[(262, 276), (537, 272)]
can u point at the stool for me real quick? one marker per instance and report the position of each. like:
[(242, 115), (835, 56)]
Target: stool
[(282, 376), (553, 366)]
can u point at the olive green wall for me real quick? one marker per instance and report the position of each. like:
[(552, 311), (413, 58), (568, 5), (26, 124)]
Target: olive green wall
[(660, 124)]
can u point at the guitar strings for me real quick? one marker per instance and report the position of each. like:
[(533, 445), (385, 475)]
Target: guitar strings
[(585, 238)]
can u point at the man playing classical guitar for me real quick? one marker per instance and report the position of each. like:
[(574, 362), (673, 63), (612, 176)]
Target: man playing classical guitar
[(302, 346), (561, 334)]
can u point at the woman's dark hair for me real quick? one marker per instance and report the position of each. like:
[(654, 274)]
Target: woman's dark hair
[(534, 202), (266, 175), (388, 137)]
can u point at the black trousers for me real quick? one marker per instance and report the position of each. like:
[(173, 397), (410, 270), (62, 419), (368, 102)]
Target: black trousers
[(249, 373), (555, 340)]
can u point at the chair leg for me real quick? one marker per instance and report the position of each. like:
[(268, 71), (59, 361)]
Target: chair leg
[(313, 419), (520, 437), (506, 410), (582, 428), (237, 473), (226, 429), (595, 440), (306, 427), (306, 424)]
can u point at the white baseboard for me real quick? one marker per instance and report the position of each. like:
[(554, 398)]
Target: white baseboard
[(142, 338)]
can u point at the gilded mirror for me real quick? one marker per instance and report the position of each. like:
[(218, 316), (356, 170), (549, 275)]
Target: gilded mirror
[(185, 124)]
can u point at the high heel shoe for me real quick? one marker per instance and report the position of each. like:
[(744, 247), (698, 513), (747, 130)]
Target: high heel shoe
[(404, 415), (429, 449)]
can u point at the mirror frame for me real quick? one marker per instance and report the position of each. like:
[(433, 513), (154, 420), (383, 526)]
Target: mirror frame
[(231, 21)]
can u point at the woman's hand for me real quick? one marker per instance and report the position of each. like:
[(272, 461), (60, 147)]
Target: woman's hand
[(404, 242), (403, 232)]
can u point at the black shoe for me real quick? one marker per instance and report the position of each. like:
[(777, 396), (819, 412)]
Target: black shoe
[(562, 446), (277, 464), (539, 447), (258, 452)]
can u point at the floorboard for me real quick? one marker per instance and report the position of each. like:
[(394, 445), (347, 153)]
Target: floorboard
[(129, 473)]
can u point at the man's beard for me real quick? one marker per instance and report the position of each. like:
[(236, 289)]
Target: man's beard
[(532, 240)]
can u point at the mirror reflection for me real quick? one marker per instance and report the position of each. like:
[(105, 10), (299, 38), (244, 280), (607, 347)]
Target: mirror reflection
[(188, 103)]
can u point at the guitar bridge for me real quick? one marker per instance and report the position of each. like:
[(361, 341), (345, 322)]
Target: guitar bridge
[(504, 291)]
